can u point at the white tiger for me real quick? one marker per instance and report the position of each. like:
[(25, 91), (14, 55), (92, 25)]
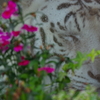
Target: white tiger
[(71, 25)]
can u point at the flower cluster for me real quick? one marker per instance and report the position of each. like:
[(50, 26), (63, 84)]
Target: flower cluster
[(6, 37), (10, 10)]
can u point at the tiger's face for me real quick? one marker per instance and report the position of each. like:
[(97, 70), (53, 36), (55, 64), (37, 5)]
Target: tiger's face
[(72, 25)]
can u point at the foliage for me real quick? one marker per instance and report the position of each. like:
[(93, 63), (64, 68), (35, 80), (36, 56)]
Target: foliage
[(88, 94)]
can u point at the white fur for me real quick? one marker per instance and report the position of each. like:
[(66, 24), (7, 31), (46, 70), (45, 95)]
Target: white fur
[(89, 36)]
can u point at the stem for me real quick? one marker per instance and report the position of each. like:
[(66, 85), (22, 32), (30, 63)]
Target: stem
[(20, 13), (21, 18), (11, 24)]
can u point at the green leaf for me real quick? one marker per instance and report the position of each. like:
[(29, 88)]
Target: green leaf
[(61, 75), (67, 79), (23, 96), (64, 80), (75, 94), (93, 54), (65, 67), (69, 66), (80, 57), (23, 76), (29, 37), (42, 62), (45, 54), (98, 52), (34, 63)]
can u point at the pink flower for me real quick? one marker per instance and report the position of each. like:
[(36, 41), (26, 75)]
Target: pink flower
[(6, 14), (1, 32), (33, 29), (47, 69), (10, 10), (29, 28), (24, 63), (18, 48), (12, 6), (15, 33), (4, 45), (5, 36)]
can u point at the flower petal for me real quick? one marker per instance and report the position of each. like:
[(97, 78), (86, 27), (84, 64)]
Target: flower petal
[(15, 33), (18, 48), (6, 14), (29, 28), (47, 69), (10, 10), (24, 63)]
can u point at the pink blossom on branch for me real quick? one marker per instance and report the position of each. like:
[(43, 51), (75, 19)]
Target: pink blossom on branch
[(29, 28), (24, 63), (12, 6), (5, 36), (10, 10), (15, 33), (46, 69), (6, 14), (4, 45), (18, 48)]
